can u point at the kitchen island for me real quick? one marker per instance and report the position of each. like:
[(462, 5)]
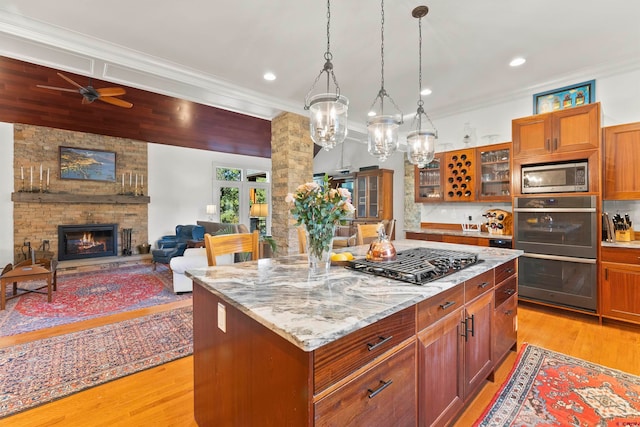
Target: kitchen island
[(273, 346)]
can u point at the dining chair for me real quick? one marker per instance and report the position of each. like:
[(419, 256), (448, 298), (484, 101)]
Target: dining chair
[(367, 233), (302, 239), (236, 243)]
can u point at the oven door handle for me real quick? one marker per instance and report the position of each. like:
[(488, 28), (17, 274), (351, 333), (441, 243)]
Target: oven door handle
[(560, 258), (571, 210)]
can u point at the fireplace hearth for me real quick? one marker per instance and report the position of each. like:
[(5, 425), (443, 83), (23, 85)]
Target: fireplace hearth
[(80, 241)]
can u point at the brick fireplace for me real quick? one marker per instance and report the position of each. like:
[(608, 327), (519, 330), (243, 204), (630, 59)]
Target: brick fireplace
[(87, 241), (77, 202)]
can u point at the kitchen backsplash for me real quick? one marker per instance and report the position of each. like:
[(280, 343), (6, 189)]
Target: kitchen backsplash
[(458, 213), (622, 207)]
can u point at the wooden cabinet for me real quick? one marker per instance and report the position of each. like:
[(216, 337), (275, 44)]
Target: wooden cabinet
[(494, 172), (621, 154), (620, 284), (455, 348), (561, 131), (460, 178), (505, 315), (374, 195), (428, 181)]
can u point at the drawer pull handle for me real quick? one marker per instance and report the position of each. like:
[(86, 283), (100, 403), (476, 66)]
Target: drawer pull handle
[(510, 270), (383, 385), (447, 304), (466, 329), (509, 291), (483, 285), (379, 343), (508, 312)]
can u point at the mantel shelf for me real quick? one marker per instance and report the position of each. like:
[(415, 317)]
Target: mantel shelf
[(109, 199)]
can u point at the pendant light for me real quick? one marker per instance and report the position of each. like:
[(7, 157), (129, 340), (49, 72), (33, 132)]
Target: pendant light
[(383, 129), (327, 111), (421, 144)]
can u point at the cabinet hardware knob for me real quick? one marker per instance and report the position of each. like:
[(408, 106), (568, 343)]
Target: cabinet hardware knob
[(509, 291), (383, 385), (447, 304), (483, 285), (379, 343), (510, 270), (508, 312)]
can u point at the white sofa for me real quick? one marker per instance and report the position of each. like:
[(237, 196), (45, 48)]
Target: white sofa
[(192, 258)]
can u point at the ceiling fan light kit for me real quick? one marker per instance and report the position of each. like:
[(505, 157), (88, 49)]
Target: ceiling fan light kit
[(90, 94), (421, 144), (382, 129), (327, 111)]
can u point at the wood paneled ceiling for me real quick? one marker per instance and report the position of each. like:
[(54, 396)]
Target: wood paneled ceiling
[(153, 117)]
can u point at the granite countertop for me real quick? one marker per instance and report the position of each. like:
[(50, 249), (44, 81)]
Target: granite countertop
[(483, 234), (634, 244), (311, 312)]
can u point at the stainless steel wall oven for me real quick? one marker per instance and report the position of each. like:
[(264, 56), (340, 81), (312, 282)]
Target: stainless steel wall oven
[(559, 237)]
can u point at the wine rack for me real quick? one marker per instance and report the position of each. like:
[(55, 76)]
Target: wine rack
[(460, 177)]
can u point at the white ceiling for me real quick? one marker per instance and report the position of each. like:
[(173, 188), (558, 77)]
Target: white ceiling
[(215, 52)]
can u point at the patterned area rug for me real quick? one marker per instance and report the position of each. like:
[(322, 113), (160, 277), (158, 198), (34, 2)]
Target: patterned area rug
[(87, 295), (40, 371), (546, 388)]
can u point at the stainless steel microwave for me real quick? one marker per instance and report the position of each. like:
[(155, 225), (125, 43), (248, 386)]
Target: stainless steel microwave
[(555, 178)]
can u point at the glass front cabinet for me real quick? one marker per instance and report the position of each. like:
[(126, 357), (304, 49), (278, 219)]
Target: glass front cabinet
[(428, 181), (374, 194), (495, 172)]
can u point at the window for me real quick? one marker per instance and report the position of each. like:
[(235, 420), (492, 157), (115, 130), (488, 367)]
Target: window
[(243, 197)]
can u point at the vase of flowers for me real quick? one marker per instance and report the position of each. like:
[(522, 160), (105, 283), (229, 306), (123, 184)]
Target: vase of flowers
[(319, 209)]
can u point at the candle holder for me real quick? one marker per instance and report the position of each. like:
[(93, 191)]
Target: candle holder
[(22, 189), (141, 193), (46, 188)]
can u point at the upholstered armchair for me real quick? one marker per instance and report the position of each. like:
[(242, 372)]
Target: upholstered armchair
[(175, 245)]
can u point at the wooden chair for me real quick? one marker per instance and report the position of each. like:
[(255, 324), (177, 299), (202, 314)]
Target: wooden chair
[(302, 239), (231, 244), (389, 227), (367, 233)]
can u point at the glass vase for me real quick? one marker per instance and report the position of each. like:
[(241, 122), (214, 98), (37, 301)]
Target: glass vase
[(319, 246)]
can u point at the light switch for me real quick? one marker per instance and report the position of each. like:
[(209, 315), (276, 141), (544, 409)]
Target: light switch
[(222, 317)]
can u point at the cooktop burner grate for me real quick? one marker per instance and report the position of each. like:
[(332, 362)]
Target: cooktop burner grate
[(418, 265)]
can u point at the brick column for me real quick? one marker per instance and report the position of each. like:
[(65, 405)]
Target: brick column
[(291, 165), (411, 208)]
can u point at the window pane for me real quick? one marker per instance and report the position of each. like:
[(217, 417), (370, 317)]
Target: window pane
[(228, 174), (257, 176), (229, 205), (259, 210)]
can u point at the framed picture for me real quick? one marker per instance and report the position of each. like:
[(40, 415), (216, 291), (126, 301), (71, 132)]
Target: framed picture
[(86, 164), (565, 97)]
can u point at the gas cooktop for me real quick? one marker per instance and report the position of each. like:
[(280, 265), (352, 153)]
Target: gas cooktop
[(418, 265)]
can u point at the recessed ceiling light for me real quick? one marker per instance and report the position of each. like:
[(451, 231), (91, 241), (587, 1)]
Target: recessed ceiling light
[(425, 91), (269, 76), (371, 113), (516, 62)]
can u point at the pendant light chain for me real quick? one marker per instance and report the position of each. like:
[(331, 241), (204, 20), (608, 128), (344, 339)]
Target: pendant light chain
[(420, 101), (382, 50)]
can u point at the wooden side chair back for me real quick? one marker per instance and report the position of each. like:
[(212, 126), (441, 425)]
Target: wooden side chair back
[(231, 244), (367, 233), (389, 227), (302, 239)]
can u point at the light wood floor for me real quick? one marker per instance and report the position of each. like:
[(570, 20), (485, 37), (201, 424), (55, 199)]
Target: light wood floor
[(163, 396)]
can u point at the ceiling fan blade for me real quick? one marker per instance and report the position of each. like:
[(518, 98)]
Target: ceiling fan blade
[(64, 89), (70, 81), (111, 91), (116, 101)]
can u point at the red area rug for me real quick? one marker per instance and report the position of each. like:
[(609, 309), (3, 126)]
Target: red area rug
[(40, 371), (546, 388), (87, 295)]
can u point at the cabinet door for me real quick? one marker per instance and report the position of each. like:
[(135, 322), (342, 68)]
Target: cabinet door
[(373, 197), (576, 129), (384, 395), (478, 354), (531, 135), (505, 327), (621, 154), (621, 291), (440, 367), (428, 181), (362, 191), (494, 172), (460, 178)]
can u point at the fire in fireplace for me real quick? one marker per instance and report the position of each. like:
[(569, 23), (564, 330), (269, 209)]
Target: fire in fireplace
[(87, 241)]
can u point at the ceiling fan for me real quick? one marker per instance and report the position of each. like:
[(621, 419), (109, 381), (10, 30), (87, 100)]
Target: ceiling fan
[(90, 94)]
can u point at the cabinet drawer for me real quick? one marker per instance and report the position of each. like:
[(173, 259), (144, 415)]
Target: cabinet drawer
[(336, 360), (475, 287), (384, 395), (437, 307), (506, 289), (505, 270), (621, 255)]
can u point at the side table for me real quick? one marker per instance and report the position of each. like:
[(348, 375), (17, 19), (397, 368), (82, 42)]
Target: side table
[(195, 243), (27, 273)]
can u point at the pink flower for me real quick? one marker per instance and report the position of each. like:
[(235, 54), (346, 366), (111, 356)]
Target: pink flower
[(289, 198)]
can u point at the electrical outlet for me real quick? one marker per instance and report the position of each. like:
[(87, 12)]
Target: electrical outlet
[(222, 317), (470, 218)]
